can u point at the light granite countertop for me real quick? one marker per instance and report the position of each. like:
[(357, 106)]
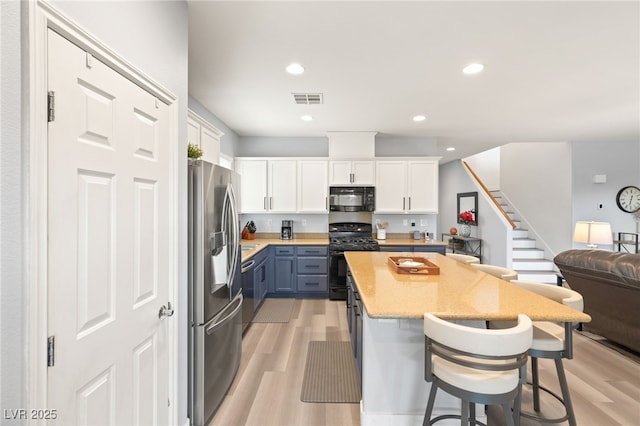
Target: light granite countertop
[(459, 292)]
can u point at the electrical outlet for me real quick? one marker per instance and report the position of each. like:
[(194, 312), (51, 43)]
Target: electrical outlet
[(423, 222), (600, 206), (304, 222), (404, 222), (413, 222), (269, 223)]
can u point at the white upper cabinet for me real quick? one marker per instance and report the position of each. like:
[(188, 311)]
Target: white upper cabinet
[(312, 186), (282, 186), (404, 186), (352, 172), (267, 186), (253, 185), (204, 135)]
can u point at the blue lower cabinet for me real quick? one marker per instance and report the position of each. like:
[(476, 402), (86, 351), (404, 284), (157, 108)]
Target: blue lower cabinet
[(312, 268), (313, 283)]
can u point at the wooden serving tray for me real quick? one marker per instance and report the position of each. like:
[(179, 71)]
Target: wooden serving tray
[(427, 267)]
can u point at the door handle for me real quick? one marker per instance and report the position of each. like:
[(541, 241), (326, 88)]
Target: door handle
[(165, 311)]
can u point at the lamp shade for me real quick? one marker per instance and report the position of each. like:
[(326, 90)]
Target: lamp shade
[(592, 233)]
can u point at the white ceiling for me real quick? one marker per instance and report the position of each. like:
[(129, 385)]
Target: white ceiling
[(554, 71)]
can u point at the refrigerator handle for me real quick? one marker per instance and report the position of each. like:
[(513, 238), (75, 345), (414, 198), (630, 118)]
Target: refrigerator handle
[(234, 243)]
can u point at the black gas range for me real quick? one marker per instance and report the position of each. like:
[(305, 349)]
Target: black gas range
[(346, 236)]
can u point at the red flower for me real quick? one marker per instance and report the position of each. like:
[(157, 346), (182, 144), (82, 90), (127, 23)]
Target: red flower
[(466, 218)]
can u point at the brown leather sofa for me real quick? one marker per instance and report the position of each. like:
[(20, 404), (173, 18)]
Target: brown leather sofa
[(610, 286)]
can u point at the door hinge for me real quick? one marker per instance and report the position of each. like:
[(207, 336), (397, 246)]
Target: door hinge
[(51, 106), (51, 350)]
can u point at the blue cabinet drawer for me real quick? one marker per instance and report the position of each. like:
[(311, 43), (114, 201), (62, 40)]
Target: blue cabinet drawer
[(284, 251), (312, 265), (312, 250), (312, 283)]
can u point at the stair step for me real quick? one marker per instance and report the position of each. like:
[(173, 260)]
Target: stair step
[(523, 243), (539, 276), (532, 265), (527, 253), (520, 233)]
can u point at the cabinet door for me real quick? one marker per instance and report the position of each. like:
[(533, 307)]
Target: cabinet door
[(363, 172), (193, 132), (210, 144), (282, 186), (422, 186), (390, 187), (312, 186), (339, 172), (284, 275), (253, 178)]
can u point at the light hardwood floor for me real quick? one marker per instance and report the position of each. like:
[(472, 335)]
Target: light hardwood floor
[(605, 384)]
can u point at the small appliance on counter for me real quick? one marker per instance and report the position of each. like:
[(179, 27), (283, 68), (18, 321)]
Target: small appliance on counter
[(286, 232)]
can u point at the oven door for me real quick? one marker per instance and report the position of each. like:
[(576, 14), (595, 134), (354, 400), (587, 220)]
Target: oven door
[(337, 275)]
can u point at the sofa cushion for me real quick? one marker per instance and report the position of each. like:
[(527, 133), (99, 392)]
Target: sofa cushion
[(609, 282)]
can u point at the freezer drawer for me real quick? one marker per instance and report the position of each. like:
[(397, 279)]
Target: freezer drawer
[(218, 346)]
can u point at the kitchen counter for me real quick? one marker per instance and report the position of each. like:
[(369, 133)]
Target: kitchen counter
[(260, 244), (392, 335), (408, 242), (460, 292)]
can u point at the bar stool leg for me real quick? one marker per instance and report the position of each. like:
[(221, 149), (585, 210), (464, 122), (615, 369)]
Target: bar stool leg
[(430, 403), (464, 419), (564, 388), (536, 384)]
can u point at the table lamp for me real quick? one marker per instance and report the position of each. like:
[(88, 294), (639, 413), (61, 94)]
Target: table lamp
[(593, 233)]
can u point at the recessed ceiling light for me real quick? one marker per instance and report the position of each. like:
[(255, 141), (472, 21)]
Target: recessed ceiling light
[(473, 68), (419, 118), (306, 118), (295, 69), (451, 148)]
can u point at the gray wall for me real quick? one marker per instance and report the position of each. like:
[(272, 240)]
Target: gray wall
[(536, 178), (158, 46), (254, 146), (230, 140), (12, 210), (453, 180), (620, 162)]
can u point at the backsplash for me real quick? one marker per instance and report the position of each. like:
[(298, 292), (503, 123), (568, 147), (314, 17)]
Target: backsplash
[(319, 223)]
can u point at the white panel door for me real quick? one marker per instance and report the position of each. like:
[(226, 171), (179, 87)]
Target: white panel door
[(340, 172), (312, 186), (282, 186), (109, 204)]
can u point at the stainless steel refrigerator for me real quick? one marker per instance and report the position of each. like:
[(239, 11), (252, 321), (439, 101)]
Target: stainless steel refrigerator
[(215, 293)]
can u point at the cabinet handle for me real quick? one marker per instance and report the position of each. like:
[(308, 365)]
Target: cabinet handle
[(313, 283), (312, 266), (351, 177), (270, 203), (264, 203), (403, 203), (409, 203)]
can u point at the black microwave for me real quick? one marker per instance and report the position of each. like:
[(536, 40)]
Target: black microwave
[(352, 198)]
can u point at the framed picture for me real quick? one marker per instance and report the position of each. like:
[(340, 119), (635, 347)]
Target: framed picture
[(468, 202)]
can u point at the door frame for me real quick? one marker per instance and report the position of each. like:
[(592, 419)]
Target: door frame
[(42, 16)]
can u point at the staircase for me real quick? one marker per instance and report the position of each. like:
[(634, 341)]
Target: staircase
[(527, 260)]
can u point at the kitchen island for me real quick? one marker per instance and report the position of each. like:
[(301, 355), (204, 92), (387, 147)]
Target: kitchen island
[(393, 387)]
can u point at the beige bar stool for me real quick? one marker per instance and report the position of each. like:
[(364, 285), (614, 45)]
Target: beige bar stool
[(497, 271), (549, 342), (464, 258), (476, 365)]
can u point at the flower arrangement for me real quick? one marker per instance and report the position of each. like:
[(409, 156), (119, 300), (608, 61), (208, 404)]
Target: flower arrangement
[(466, 218)]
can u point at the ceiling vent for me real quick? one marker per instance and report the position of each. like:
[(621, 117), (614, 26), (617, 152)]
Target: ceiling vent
[(307, 98)]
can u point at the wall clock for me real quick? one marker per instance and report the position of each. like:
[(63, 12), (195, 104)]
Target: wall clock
[(628, 199)]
